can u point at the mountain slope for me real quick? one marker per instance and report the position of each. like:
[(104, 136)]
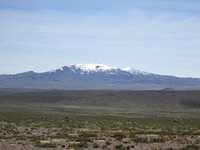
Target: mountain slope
[(95, 76)]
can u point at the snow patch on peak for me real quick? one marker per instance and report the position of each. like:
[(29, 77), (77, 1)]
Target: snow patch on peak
[(97, 67), (133, 71), (128, 69), (93, 67)]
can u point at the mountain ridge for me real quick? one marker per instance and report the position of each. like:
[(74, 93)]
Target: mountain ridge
[(94, 67), (96, 76)]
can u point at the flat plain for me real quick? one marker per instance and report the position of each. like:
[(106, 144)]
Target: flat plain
[(138, 120)]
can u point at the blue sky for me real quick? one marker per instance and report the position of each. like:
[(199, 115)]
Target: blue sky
[(158, 36)]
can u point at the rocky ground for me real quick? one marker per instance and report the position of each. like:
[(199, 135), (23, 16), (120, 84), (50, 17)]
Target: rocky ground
[(34, 131)]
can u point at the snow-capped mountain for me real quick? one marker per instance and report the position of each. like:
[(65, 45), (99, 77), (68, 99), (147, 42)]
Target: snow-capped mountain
[(92, 68), (95, 76)]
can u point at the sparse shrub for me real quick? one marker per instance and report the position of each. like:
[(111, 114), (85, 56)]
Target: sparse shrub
[(21, 143), (28, 132), (131, 135), (108, 143), (128, 147), (104, 146), (140, 140), (20, 138), (157, 140), (119, 136), (132, 146), (85, 137), (157, 148), (63, 145), (36, 138), (78, 145), (95, 145), (120, 147), (45, 145), (190, 147)]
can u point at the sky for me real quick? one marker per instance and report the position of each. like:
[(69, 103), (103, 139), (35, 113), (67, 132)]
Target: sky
[(157, 36)]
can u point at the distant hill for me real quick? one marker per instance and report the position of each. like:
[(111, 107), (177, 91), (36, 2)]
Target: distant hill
[(168, 89), (95, 77)]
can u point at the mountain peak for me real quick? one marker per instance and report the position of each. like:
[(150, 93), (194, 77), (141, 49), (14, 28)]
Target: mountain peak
[(93, 67), (97, 67), (131, 70), (128, 69)]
